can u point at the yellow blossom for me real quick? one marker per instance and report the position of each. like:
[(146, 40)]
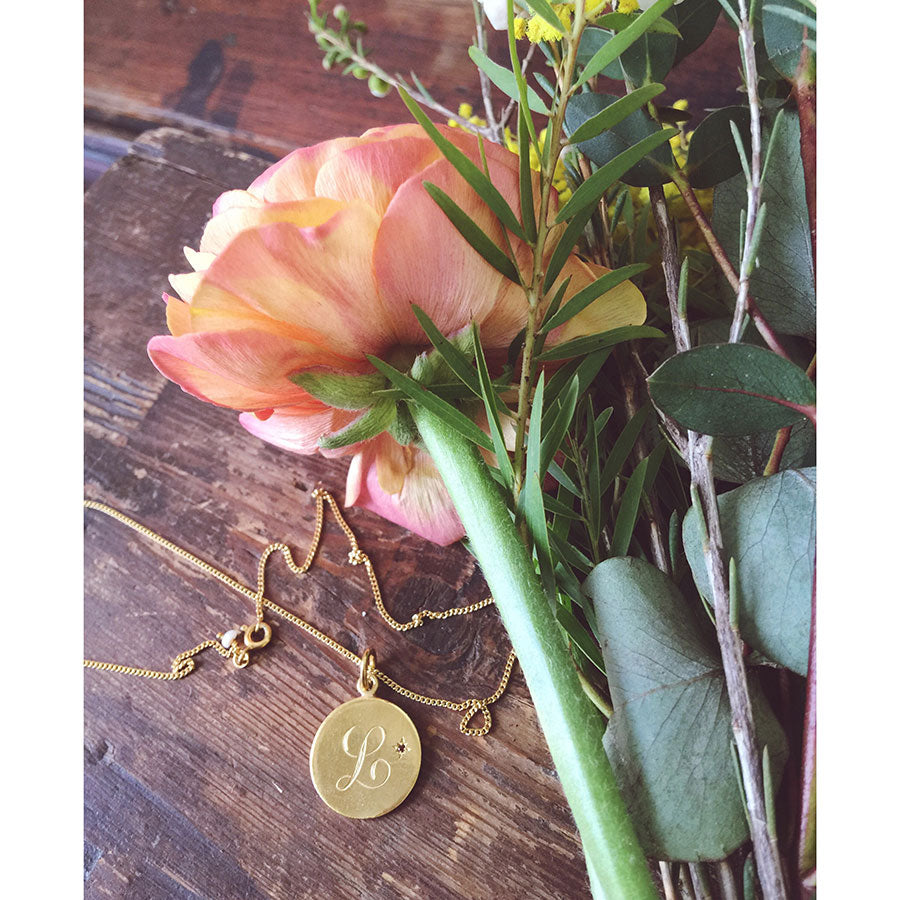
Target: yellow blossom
[(519, 26), (628, 6), (466, 112), (539, 29), (534, 162)]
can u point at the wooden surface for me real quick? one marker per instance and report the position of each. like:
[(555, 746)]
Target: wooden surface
[(250, 73), (200, 788)]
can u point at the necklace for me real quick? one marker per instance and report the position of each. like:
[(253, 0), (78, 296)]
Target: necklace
[(366, 754)]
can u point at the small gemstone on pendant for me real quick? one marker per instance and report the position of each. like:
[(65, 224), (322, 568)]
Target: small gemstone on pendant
[(401, 747)]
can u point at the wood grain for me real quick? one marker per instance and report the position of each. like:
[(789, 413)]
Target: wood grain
[(200, 788), (251, 74)]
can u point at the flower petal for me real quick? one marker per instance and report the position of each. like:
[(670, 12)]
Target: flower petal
[(449, 280), (226, 225), (245, 370), (401, 484), (317, 279), (296, 430), (294, 177), (623, 305)]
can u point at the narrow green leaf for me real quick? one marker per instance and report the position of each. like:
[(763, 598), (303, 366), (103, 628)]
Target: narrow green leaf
[(732, 389), (517, 71), (441, 408), (588, 295), (621, 449), (592, 342), (505, 79), (616, 112), (622, 41), (555, 303), (553, 437), (532, 507), (477, 239), (579, 636), (370, 424), (628, 511), (480, 182), (489, 398), (455, 359), (554, 471), (590, 192), (572, 233), (535, 426), (548, 14), (620, 21), (340, 391), (584, 369)]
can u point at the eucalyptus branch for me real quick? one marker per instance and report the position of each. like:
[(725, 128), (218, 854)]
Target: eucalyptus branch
[(699, 460), (325, 37), (805, 93), (754, 182), (495, 128), (721, 257)]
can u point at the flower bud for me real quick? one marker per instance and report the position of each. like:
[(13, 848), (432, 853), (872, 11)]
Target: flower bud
[(378, 87), (359, 72)]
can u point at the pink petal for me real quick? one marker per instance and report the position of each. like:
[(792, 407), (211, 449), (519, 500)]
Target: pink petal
[(295, 430), (402, 485)]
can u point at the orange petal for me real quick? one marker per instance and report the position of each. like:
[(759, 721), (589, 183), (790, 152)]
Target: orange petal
[(315, 279), (449, 280), (226, 225), (244, 370), (294, 177), (623, 305)]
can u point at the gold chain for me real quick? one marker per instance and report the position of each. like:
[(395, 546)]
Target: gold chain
[(237, 643)]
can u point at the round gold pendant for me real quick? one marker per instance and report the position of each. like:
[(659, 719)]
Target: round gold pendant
[(365, 758)]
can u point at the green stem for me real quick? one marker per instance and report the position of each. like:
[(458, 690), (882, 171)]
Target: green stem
[(572, 726)]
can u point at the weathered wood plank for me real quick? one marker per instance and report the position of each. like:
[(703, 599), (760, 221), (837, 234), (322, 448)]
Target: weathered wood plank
[(200, 788)]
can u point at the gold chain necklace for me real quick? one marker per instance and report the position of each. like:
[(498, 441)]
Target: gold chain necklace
[(365, 757)]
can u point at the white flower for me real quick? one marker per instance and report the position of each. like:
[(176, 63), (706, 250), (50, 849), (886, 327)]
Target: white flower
[(495, 10)]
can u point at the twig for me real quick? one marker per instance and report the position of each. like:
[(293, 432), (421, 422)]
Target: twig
[(510, 107), (721, 257), (480, 40), (806, 856), (727, 882), (394, 81), (700, 881), (805, 92), (778, 448), (665, 873)]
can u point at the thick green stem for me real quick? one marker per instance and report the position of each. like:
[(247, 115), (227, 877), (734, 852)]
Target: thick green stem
[(572, 726)]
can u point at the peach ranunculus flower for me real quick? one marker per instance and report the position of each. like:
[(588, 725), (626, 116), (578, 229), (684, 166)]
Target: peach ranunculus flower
[(317, 264)]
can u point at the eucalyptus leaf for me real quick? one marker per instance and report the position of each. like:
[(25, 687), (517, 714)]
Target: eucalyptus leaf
[(505, 79), (696, 20), (769, 528), (723, 389), (626, 133), (592, 40), (712, 155), (783, 34), (669, 739), (783, 286)]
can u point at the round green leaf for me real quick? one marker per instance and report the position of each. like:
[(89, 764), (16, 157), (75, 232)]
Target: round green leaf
[(696, 20), (620, 137), (769, 528), (591, 41), (783, 285), (712, 154), (669, 739), (731, 389), (783, 35)]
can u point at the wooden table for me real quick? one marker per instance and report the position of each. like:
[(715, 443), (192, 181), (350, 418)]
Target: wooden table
[(200, 788)]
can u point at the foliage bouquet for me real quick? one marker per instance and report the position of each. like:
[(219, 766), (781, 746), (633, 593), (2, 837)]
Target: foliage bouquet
[(582, 337)]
